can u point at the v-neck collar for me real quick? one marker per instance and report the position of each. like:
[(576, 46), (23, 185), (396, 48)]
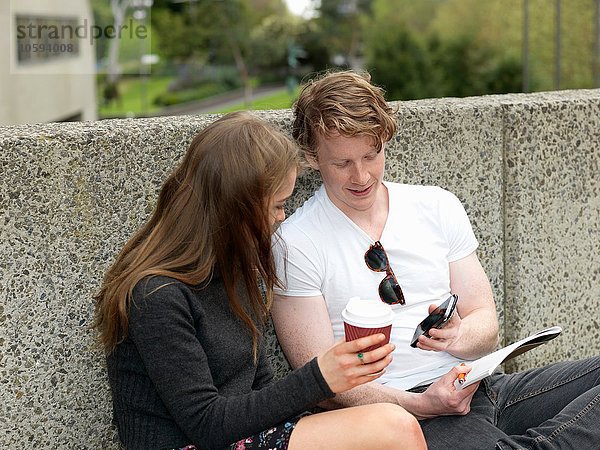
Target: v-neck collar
[(348, 220)]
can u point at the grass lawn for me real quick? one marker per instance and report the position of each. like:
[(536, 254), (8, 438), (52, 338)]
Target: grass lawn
[(280, 100), (132, 97)]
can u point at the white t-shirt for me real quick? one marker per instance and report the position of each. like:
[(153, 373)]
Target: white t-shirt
[(427, 228)]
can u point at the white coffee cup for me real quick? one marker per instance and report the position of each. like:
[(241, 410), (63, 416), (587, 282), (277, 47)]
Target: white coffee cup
[(366, 317)]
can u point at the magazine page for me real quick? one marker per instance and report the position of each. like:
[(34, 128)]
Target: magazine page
[(486, 365)]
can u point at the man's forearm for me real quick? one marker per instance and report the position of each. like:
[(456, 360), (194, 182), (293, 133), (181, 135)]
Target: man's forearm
[(372, 393)]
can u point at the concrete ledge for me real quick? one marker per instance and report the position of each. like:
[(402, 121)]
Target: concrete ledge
[(71, 194)]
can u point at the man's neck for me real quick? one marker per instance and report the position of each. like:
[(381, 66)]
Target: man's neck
[(372, 220)]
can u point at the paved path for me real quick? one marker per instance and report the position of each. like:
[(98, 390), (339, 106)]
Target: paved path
[(218, 102)]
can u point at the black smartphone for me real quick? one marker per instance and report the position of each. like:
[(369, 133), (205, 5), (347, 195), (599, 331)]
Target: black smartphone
[(437, 319)]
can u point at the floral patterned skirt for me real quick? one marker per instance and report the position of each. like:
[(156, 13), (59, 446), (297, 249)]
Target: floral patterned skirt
[(275, 438)]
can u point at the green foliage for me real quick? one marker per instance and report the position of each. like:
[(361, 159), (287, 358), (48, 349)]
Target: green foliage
[(311, 38), (340, 22), (269, 41), (414, 49), (499, 25), (251, 35), (475, 68), (410, 69), (180, 39), (506, 76), (413, 56), (402, 65), (474, 47)]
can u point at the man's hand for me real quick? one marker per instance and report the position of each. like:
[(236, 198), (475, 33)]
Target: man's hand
[(443, 399), (441, 338)]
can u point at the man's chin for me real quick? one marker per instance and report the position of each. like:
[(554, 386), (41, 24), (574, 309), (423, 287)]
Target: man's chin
[(359, 203)]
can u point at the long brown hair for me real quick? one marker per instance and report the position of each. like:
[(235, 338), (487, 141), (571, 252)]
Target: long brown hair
[(211, 213), (342, 102)]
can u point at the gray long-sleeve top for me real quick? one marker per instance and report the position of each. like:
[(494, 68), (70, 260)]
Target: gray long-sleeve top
[(186, 375)]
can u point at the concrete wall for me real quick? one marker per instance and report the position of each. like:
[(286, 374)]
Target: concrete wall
[(71, 194), (552, 217)]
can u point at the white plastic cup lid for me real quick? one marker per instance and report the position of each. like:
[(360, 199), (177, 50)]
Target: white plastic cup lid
[(367, 314)]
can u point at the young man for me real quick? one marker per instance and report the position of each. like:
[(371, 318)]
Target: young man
[(409, 246)]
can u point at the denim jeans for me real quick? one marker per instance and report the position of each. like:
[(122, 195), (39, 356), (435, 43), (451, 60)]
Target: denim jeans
[(553, 407)]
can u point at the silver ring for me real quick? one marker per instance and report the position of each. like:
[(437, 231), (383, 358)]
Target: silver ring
[(360, 356)]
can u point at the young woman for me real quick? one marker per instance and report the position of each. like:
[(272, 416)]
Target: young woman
[(181, 315)]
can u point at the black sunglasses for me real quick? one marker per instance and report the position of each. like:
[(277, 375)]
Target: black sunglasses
[(390, 291)]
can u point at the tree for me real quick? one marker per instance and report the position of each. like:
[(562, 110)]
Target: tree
[(270, 40), (341, 24), (181, 40), (401, 64), (470, 67), (223, 32), (498, 24), (397, 57), (317, 54), (479, 44), (412, 60)]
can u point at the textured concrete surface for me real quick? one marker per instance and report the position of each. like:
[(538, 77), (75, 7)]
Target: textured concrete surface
[(71, 194), (552, 198)]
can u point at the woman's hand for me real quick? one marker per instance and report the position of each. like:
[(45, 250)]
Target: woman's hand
[(343, 369)]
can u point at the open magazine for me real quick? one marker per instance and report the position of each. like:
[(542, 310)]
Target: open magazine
[(486, 365)]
